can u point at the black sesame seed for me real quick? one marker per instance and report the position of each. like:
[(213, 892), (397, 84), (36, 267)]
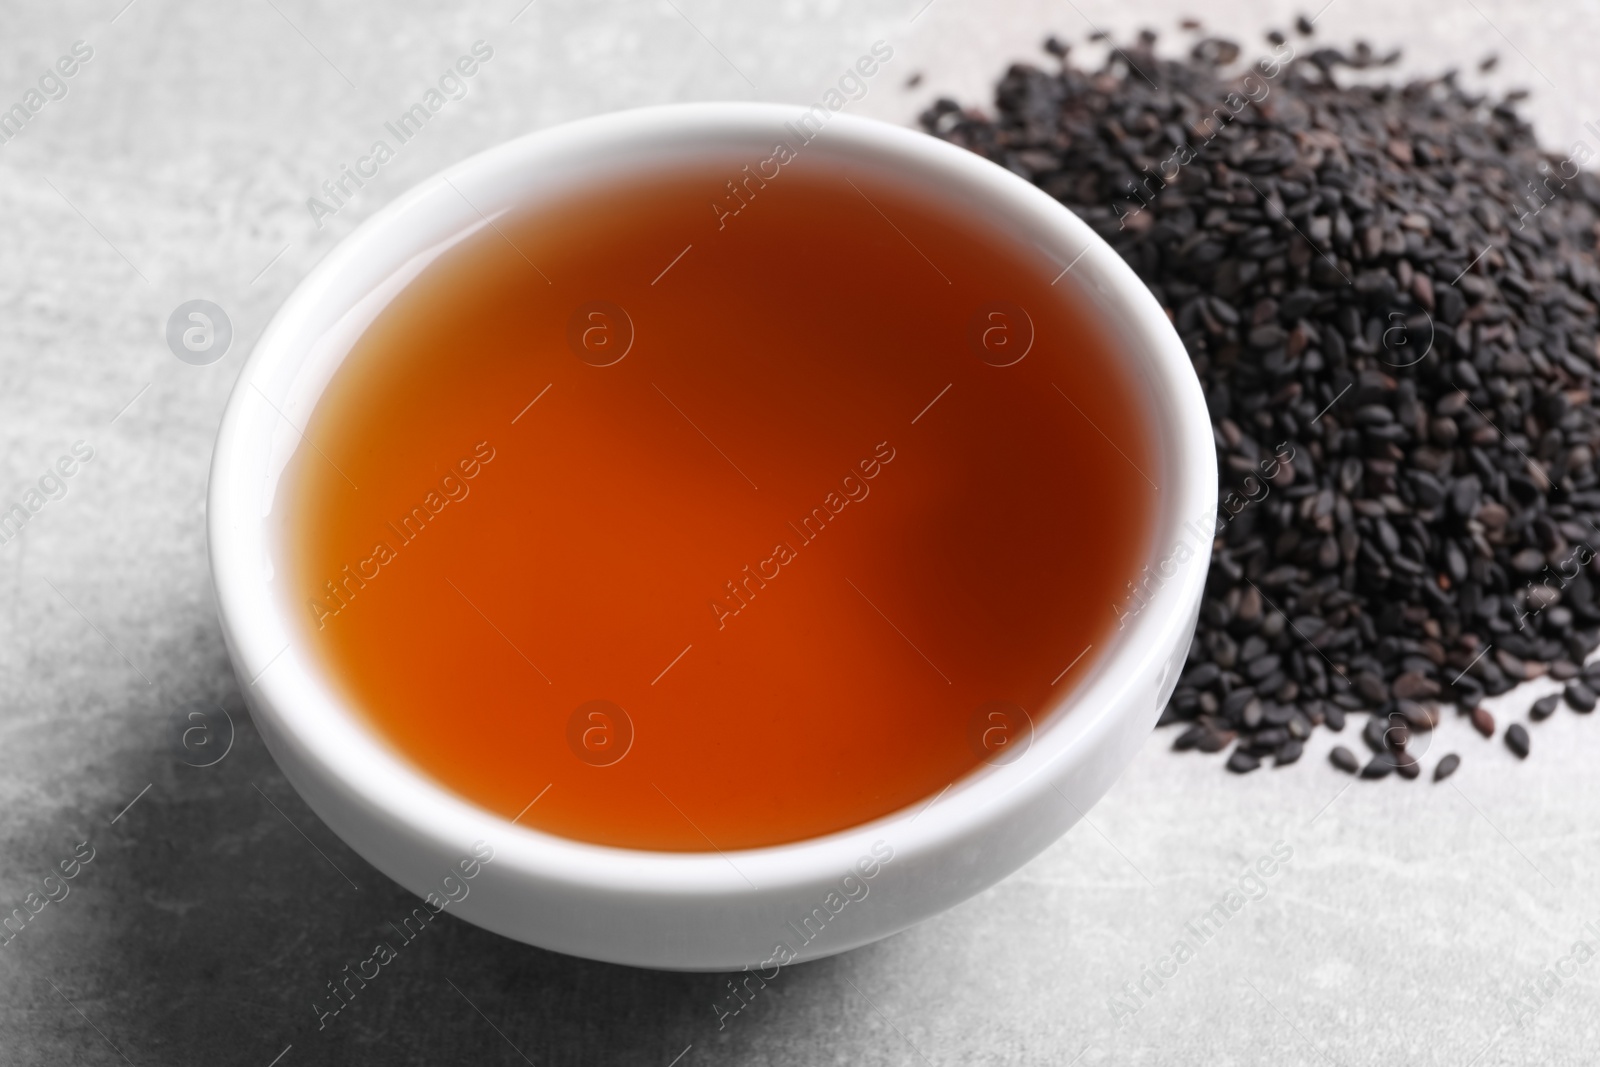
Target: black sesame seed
[(1482, 721), (1379, 766), (1243, 762), (1375, 733)]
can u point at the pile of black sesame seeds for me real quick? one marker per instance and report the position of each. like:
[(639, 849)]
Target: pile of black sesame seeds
[(1389, 295)]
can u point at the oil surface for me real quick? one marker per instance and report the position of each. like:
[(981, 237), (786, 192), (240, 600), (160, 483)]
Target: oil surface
[(686, 529)]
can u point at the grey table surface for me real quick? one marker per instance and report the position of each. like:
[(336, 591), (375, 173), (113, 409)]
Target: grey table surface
[(1413, 923)]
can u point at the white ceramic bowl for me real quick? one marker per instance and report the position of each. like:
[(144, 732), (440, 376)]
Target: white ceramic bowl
[(690, 911)]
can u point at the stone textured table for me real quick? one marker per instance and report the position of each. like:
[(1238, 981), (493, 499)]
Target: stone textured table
[(215, 907)]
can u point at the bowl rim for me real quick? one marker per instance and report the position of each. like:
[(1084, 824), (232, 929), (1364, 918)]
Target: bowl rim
[(305, 711)]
